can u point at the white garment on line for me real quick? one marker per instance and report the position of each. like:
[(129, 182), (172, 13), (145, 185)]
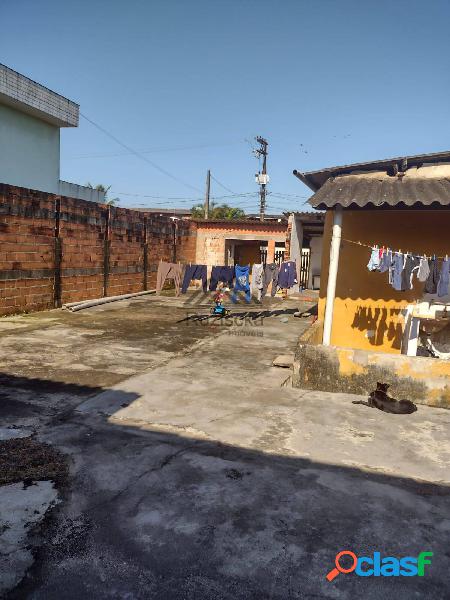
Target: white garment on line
[(257, 279)]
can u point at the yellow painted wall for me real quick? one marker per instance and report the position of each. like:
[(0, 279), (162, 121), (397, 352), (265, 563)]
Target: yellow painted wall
[(365, 302)]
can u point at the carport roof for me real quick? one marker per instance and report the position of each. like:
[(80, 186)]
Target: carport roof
[(388, 191), (389, 182)]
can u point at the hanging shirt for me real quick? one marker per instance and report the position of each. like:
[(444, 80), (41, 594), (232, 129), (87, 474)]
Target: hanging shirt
[(374, 260), (424, 270), (242, 279), (397, 269), (287, 277), (444, 277)]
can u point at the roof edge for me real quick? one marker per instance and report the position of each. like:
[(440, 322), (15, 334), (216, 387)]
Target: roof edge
[(304, 179)]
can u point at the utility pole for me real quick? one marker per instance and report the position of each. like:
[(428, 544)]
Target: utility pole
[(208, 186), (262, 178)]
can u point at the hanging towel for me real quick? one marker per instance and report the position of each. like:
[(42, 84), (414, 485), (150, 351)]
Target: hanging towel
[(287, 277), (424, 270), (194, 272), (442, 288), (257, 280), (433, 277)]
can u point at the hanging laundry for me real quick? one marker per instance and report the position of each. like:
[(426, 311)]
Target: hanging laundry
[(397, 269), (242, 283), (444, 277), (221, 273), (374, 260), (257, 280), (166, 271), (271, 271), (194, 272), (411, 263), (424, 270), (287, 276), (433, 277), (385, 261)]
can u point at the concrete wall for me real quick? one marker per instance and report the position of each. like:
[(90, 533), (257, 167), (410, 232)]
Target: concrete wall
[(35, 99), (315, 265), (294, 243), (73, 190), (55, 249), (335, 369), (368, 312), (29, 151)]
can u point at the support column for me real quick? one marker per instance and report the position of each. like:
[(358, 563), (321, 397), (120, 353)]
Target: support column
[(270, 251), (106, 251), (332, 274), (57, 283), (145, 257)]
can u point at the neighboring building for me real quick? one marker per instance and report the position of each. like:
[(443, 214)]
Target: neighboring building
[(305, 234), (31, 117), (403, 204), (240, 241)]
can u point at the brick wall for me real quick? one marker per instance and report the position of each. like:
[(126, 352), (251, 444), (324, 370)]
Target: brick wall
[(55, 249)]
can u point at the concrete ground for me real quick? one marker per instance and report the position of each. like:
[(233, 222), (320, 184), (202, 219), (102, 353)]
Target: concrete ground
[(196, 474)]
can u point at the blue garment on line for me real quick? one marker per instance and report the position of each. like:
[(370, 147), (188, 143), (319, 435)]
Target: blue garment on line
[(194, 272), (397, 269), (374, 261), (242, 283), (444, 278), (287, 277), (386, 261)]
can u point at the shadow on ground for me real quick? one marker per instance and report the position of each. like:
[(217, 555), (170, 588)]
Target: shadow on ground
[(149, 513)]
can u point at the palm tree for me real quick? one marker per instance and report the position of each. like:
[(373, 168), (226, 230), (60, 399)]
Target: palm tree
[(105, 189)]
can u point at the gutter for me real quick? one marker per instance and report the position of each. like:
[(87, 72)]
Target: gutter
[(304, 179)]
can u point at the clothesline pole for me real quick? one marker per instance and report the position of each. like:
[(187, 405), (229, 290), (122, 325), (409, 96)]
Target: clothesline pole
[(332, 275)]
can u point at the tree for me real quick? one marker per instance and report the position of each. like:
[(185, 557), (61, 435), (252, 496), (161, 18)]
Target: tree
[(103, 188), (218, 211)]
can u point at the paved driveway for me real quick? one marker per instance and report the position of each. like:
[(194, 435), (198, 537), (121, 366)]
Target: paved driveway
[(203, 477)]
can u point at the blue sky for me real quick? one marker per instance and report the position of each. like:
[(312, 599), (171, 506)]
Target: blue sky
[(191, 83)]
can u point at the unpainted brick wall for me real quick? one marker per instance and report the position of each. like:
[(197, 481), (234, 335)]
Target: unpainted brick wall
[(36, 228)]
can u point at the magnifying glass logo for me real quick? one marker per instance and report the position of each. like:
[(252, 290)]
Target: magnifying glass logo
[(339, 568)]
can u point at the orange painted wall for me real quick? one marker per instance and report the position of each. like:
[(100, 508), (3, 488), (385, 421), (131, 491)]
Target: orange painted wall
[(364, 300)]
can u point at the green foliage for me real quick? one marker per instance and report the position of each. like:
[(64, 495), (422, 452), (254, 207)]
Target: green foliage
[(218, 211), (103, 188)]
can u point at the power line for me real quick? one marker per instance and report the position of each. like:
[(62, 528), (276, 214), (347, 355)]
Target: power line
[(152, 151), (221, 185), (139, 155)]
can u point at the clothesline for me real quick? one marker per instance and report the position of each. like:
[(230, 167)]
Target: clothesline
[(388, 248)]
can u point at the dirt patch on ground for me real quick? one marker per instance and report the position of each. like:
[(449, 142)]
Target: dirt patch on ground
[(27, 460)]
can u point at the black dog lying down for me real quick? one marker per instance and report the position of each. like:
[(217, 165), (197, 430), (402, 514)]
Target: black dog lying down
[(379, 399)]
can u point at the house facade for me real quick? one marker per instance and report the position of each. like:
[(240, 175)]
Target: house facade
[(365, 326), (31, 117), (240, 241)]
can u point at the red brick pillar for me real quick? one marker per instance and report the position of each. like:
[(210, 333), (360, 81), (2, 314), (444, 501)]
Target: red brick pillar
[(271, 251)]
